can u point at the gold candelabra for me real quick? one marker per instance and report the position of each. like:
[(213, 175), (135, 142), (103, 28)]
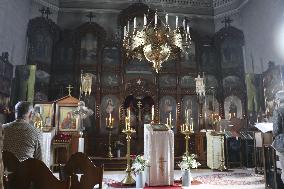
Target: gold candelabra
[(187, 129), (128, 180), (109, 124)]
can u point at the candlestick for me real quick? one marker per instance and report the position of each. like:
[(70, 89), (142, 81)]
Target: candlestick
[(145, 20), (128, 180), (134, 23), (176, 22), (167, 19)]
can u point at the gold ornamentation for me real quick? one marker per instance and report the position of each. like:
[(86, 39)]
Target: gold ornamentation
[(156, 44)]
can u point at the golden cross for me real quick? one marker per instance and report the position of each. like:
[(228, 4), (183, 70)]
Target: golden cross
[(139, 104), (161, 165), (69, 89)]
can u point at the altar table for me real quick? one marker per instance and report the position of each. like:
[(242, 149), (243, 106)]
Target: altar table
[(159, 150), (47, 154)]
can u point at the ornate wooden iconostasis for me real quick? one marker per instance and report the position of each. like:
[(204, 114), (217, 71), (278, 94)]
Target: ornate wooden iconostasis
[(120, 83)]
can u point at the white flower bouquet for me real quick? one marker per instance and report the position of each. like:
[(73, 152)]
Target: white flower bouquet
[(188, 161), (139, 164)]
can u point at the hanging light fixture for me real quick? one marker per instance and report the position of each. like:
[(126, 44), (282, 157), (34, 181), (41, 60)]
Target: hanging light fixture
[(156, 42)]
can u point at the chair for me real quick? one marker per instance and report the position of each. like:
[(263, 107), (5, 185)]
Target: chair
[(34, 173), (11, 164), (79, 163)]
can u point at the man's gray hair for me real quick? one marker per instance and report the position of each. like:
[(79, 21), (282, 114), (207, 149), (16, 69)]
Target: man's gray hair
[(22, 108)]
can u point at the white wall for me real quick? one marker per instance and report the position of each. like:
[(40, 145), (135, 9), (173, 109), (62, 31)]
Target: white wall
[(14, 17)]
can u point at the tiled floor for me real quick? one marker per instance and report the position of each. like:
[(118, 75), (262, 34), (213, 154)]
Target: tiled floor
[(119, 175)]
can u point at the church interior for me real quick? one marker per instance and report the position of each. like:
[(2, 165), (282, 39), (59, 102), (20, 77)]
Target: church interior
[(145, 94)]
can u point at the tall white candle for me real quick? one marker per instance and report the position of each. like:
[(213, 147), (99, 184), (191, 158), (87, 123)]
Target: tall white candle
[(110, 118), (134, 23), (167, 19), (170, 118), (145, 20), (127, 26), (191, 124), (183, 24), (153, 112), (176, 21), (124, 31), (187, 29), (156, 18)]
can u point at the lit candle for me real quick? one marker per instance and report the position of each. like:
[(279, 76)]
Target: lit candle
[(145, 20), (183, 24), (187, 29), (167, 19), (191, 124), (156, 18), (176, 22), (127, 26), (109, 118), (125, 31), (170, 118), (153, 112), (134, 23)]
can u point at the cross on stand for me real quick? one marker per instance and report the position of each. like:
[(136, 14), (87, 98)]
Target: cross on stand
[(69, 89), (227, 21), (47, 12), (42, 11), (90, 16)]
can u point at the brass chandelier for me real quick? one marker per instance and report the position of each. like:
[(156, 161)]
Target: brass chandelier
[(156, 42)]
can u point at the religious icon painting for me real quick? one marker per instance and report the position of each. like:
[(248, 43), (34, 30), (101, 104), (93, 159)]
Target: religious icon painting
[(46, 111), (109, 108), (67, 122)]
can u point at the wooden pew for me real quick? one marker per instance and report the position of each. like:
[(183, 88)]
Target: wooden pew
[(79, 163), (34, 173), (11, 164)]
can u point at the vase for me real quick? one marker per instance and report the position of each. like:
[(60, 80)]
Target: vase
[(186, 178), (140, 180)]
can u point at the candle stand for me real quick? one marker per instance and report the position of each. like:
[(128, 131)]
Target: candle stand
[(128, 180), (186, 131), (110, 129)]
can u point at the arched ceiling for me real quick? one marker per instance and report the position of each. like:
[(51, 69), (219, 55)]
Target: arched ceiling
[(203, 8)]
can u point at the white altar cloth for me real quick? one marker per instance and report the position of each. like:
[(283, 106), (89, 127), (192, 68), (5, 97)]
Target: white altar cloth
[(159, 150), (47, 154), (214, 150)]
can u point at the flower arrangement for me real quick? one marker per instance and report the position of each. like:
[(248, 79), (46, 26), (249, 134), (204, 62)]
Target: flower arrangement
[(139, 164), (188, 161)]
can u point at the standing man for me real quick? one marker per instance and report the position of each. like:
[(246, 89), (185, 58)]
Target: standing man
[(278, 129), (20, 137)]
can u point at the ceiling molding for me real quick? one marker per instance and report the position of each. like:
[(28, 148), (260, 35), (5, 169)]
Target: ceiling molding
[(48, 4), (231, 12)]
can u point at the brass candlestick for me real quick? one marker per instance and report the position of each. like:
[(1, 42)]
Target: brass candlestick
[(109, 141), (186, 130), (128, 180), (109, 124)]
